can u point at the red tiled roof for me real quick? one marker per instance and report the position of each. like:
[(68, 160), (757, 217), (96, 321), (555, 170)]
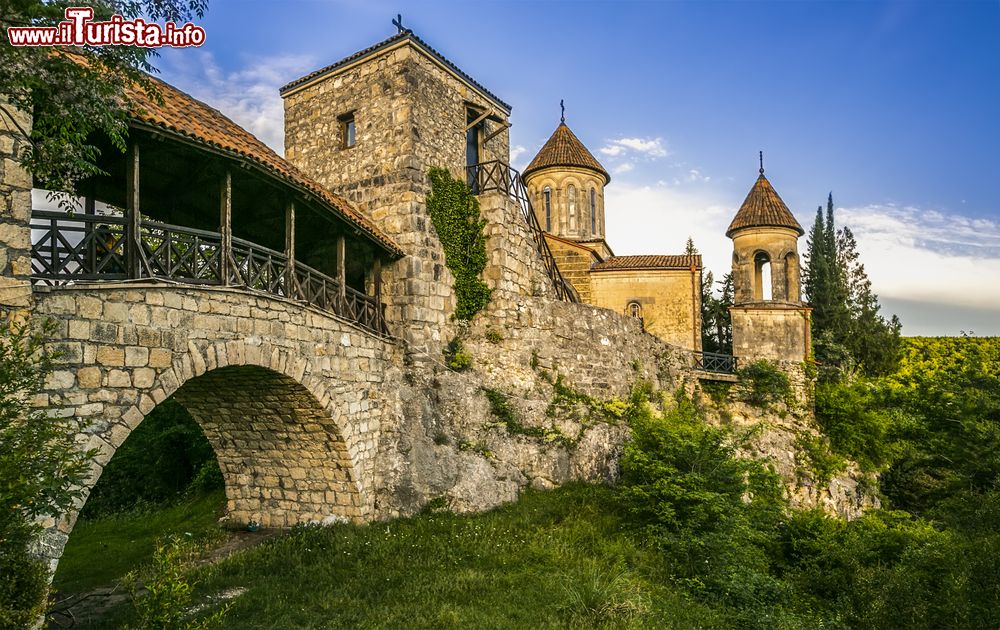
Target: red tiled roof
[(186, 116), (563, 148), (763, 208), (398, 37), (621, 263)]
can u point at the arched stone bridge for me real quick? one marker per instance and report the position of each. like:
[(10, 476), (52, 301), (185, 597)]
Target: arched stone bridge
[(288, 395)]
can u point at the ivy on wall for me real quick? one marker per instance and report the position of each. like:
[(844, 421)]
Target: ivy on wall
[(455, 214)]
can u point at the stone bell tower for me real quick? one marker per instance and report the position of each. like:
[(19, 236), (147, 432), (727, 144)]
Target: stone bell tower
[(769, 318)]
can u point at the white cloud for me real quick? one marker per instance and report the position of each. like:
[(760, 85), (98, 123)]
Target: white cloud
[(624, 167), (926, 255), (248, 96), (516, 153), (650, 147)]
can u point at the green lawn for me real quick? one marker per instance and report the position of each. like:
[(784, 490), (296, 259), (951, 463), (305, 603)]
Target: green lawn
[(553, 560), (101, 551)]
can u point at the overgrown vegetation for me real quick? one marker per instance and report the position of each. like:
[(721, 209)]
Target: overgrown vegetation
[(763, 384), (455, 214), (456, 357), (502, 410), (41, 469)]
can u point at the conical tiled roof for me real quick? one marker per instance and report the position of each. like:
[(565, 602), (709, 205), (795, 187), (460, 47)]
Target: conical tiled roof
[(763, 208), (565, 149)]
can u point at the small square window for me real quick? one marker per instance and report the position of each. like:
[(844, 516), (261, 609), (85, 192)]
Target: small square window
[(347, 130)]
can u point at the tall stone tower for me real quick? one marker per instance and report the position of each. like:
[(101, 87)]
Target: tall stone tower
[(769, 318), (566, 185), (369, 127)]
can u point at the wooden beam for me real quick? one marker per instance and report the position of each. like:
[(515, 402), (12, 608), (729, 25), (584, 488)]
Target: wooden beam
[(341, 273), (380, 325), (290, 249), (226, 228), (90, 210), (133, 211)]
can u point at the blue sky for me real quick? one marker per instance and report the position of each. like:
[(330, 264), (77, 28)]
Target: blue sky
[(892, 106)]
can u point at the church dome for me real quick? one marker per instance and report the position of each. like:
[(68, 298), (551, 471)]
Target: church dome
[(565, 149), (763, 208)]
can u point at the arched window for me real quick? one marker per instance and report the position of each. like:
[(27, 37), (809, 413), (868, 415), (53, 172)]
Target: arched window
[(634, 309), (593, 211), (547, 193), (572, 208), (762, 277)]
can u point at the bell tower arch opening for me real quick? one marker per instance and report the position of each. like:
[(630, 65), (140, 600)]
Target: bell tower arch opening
[(762, 288)]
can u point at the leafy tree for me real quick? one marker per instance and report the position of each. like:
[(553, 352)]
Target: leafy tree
[(41, 470), (689, 248), (716, 322), (848, 330), (75, 93)]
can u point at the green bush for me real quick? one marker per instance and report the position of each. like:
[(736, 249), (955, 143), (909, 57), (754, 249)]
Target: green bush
[(814, 457), (455, 214), (455, 356), (763, 384), (41, 469)]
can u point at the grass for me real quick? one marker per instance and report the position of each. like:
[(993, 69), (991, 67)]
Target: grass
[(101, 551), (553, 560)]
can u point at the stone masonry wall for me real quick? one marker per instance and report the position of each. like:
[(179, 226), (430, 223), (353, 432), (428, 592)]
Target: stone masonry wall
[(15, 213), (514, 267), (410, 115), (292, 399)]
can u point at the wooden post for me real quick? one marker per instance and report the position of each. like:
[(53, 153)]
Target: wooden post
[(90, 211), (226, 228), (132, 225), (341, 275), (379, 323), (290, 250)]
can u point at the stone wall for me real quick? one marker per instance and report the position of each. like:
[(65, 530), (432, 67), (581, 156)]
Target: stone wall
[(15, 213), (410, 115), (772, 331), (513, 266), (670, 300), (292, 399), (449, 444), (574, 262)]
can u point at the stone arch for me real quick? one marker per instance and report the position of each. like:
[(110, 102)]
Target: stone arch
[(286, 451)]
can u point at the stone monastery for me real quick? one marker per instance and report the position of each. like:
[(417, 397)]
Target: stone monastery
[(301, 308)]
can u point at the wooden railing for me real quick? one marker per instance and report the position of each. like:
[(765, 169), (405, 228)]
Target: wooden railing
[(715, 362), (499, 176), (72, 248)]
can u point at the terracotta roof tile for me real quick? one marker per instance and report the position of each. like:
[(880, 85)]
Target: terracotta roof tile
[(763, 208), (186, 116), (619, 263), (398, 37), (563, 148)]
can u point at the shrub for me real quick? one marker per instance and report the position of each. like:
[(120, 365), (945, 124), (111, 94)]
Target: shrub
[(41, 470), (494, 336), (763, 384), (813, 456), (455, 356)]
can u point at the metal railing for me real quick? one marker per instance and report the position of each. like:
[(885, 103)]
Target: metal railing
[(72, 248), (715, 362), (499, 176)]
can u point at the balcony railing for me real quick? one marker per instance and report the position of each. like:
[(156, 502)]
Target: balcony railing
[(499, 176), (67, 249), (715, 362)]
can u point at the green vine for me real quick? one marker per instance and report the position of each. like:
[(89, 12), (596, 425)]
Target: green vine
[(455, 214)]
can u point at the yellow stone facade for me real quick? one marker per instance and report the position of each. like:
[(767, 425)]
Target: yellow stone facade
[(566, 187), (667, 300)]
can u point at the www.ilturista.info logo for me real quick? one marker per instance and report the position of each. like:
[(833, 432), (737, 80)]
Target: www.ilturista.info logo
[(79, 29)]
